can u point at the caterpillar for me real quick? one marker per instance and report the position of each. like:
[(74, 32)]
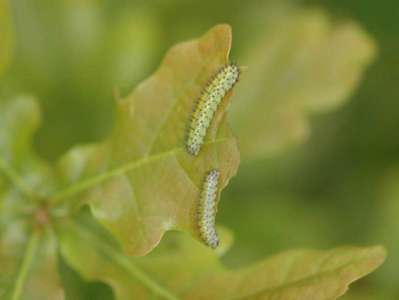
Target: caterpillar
[(220, 84), (207, 209)]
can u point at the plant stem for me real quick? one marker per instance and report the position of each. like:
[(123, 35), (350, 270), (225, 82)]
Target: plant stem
[(26, 264), (128, 265), (14, 178)]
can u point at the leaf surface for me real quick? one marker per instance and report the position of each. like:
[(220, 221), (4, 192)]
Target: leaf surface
[(185, 269), (141, 181), (23, 177)]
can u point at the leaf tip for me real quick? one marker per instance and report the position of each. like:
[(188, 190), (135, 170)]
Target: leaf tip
[(379, 253), (223, 34)]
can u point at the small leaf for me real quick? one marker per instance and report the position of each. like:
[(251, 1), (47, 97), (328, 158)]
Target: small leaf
[(22, 175), (141, 182), (23, 178), (76, 288), (20, 167), (42, 280), (185, 269), (303, 64), (19, 119)]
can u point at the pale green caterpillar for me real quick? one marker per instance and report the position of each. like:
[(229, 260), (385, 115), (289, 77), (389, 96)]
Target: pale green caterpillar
[(207, 209), (207, 105)]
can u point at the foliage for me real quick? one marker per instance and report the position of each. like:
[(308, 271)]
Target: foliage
[(86, 226)]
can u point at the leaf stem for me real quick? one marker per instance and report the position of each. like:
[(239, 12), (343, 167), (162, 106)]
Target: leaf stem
[(26, 264), (128, 265), (92, 181), (14, 178)]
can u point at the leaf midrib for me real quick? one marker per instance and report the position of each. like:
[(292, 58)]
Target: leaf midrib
[(131, 165), (312, 277)]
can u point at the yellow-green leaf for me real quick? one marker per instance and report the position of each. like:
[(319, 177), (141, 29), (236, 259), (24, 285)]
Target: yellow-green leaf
[(141, 181), (304, 63), (182, 268), (19, 119), (29, 269), (296, 274), (19, 165)]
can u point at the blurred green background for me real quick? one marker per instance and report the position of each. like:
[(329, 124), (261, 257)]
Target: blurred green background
[(340, 187)]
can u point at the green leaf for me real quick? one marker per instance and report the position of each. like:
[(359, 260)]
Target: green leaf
[(19, 119), (181, 268), (141, 181), (76, 288), (6, 36), (27, 258), (304, 63), (28, 269), (107, 263), (20, 167), (21, 172)]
